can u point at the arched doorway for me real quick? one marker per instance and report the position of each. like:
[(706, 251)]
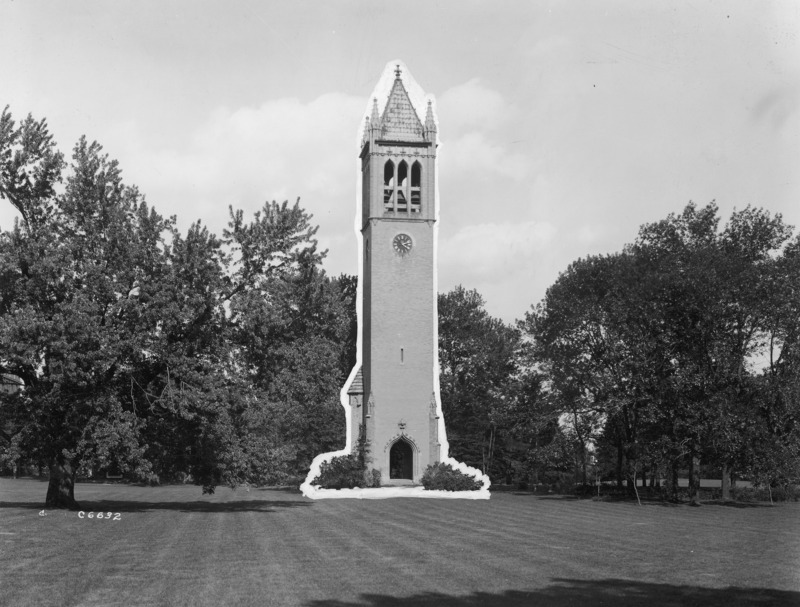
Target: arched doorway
[(401, 460)]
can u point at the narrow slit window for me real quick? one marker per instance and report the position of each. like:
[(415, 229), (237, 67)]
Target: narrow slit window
[(402, 357)]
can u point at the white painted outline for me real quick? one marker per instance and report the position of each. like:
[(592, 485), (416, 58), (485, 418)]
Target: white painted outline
[(419, 99)]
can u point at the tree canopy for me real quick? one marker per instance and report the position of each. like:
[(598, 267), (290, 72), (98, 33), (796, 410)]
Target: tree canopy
[(665, 342), (130, 347), (151, 352), (479, 368)]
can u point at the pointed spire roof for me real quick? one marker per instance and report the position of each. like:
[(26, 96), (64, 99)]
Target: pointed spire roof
[(400, 121)]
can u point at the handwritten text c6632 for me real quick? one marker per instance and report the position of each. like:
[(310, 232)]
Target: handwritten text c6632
[(109, 516)]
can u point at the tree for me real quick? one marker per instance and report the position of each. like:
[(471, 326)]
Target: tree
[(127, 335), (477, 358), (30, 166), (295, 335), (74, 269), (772, 448), (586, 340), (660, 339), (714, 284)]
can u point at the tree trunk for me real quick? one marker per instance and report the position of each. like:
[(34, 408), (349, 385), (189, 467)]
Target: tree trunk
[(694, 480), (619, 464), (584, 466), (630, 480), (491, 450), (726, 483), (61, 488), (672, 480), (635, 490), (581, 446)]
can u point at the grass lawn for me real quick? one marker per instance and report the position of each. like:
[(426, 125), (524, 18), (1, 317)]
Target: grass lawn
[(174, 546)]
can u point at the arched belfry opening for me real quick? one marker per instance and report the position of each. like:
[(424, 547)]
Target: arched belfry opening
[(388, 185), (416, 184), (401, 460), (402, 184)]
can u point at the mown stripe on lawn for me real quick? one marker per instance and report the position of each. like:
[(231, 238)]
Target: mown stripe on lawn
[(174, 546)]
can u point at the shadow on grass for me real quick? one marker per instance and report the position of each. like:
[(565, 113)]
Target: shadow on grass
[(670, 504), (646, 501), (283, 488), (610, 499), (732, 504), (195, 506), (565, 497), (566, 592)]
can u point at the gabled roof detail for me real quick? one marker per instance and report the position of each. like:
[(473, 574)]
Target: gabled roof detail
[(357, 387), (400, 121)]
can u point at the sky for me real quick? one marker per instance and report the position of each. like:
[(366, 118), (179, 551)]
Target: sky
[(563, 126)]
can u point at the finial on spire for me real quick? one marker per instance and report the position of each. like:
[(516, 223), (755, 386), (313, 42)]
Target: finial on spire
[(430, 123), (375, 117), (365, 132), (397, 72)]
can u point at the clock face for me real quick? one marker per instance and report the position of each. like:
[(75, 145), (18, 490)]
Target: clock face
[(402, 244)]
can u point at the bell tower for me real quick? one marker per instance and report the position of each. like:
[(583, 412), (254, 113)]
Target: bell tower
[(398, 415)]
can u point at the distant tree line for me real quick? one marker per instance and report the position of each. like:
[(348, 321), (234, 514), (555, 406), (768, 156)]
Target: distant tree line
[(681, 350), (166, 356)]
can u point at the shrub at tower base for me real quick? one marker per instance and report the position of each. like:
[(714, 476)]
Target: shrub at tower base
[(348, 471), (443, 477)]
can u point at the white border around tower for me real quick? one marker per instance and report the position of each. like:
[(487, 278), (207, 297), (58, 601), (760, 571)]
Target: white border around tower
[(419, 99)]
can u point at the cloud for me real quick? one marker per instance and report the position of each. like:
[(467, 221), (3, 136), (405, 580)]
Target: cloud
[(479, 167), (285, 148), (776, 107), (589, 234), (548, 47), (473, 106), (491, 252), (474, 156), (282, 149)]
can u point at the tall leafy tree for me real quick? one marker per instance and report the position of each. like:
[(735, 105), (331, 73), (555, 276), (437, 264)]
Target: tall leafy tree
[(294, 334), (128, 336), (73, 317), (478, 365), (661, 338), (586, 337), (772, 445), (713, 283)]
